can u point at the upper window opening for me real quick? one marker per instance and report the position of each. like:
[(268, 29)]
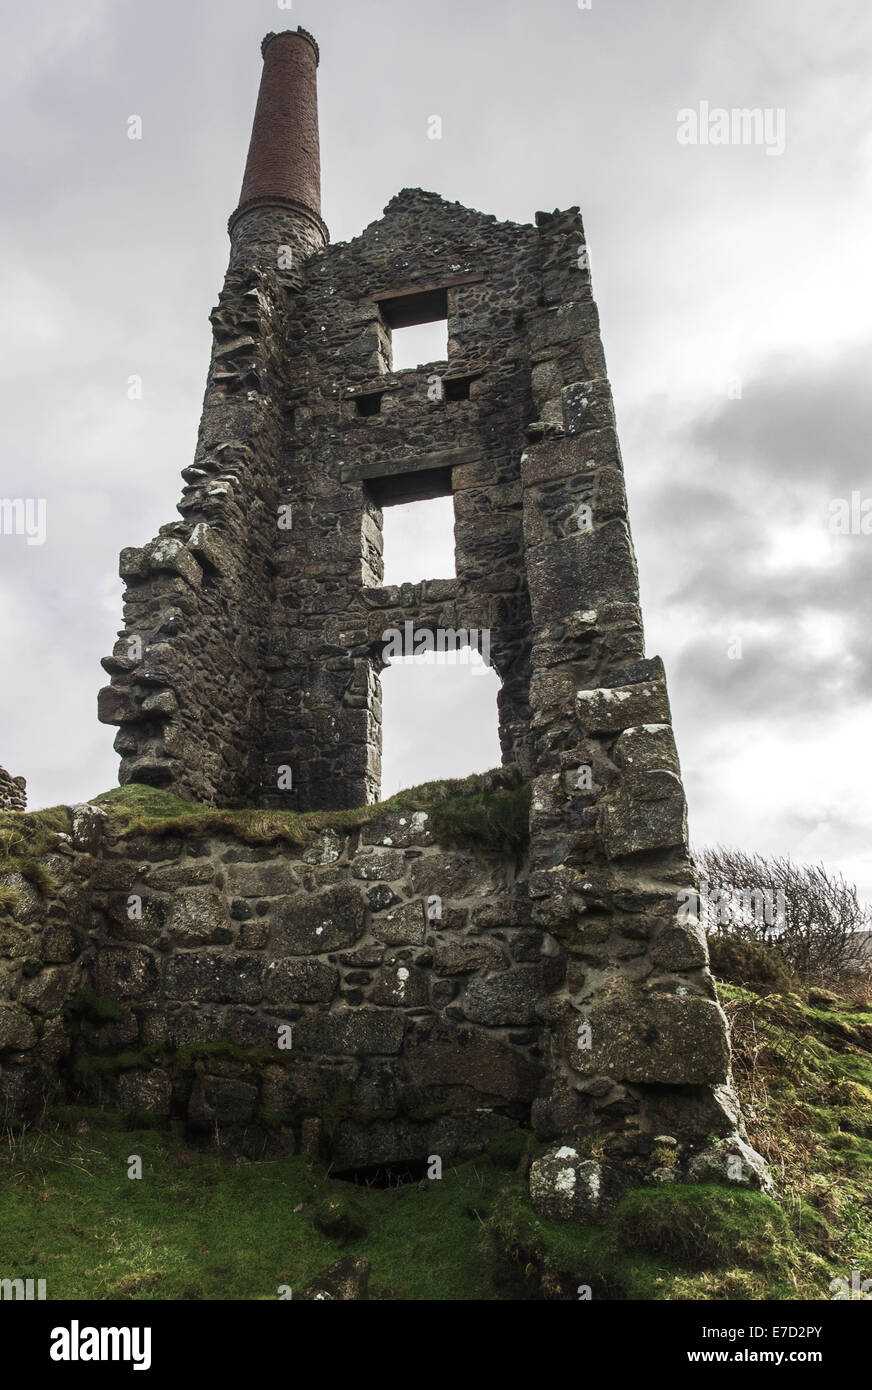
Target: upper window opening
[(418, 324), (420, 343), (419, 541)]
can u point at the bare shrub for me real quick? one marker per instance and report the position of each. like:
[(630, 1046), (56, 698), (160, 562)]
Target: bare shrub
[(811, 914)]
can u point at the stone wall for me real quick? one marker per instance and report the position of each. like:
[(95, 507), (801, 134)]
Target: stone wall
[(187, 670), (13, 792), (323, 708), (372, 998), (391, 1013), (260, 618), (44, 927)]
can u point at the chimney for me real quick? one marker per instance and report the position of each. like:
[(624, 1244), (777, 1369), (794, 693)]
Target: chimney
[(283, 168)]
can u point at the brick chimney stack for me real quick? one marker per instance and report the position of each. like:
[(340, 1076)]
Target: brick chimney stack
[(283, 169)]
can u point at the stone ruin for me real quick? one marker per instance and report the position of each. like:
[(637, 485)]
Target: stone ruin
[(559, 987), (13, 792)]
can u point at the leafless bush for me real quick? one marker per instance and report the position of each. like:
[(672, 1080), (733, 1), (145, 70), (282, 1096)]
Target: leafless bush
[(813, 915)]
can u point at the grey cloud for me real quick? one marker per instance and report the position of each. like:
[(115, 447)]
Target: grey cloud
[(116, 252)]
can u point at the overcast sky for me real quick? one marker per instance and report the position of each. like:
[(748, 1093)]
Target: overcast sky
[(734, 292)]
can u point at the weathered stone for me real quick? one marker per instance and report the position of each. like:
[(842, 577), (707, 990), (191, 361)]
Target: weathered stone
[(16, 1028), (405, 924), (206, 544), (352, 1031), (465, 957), (360, 1144), (609, 710), (561, 324), (47, 992), (326, 850), (30, 906), (381, 896), (270, 880), (501, 912), (452, 876), (220, 1101), (13, 794), (59, 945), (149, 1091), (87, 827), (597, 563), (509, 997), (680, 947), (214, 977), (305, 1084), (167, 553), (646, 811), (319, 923), (126, 973), (665, 1039), (564, 1186), (731, 1161), (168, 877), (442, 1055), (181, 1025), (250, 1028), (198, 917), (54, 1043), (253, 935), (379, 866), (646, 748), (299, 981), (400, 985), (399, 830), (162, 703)]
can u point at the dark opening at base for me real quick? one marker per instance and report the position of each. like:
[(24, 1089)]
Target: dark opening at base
[(385, 1174)]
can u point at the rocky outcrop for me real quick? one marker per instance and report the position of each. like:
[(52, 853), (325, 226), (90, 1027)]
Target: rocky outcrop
[(13, 792)]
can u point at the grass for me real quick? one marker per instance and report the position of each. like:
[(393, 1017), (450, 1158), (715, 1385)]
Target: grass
[(804, 1072), (491, 809), (197, 1227), (25, 838), (200, 1227)]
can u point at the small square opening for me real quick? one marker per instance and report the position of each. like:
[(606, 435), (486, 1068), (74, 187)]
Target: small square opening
[(418, 324), (419, 344), (370, 404), (457, 388)]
